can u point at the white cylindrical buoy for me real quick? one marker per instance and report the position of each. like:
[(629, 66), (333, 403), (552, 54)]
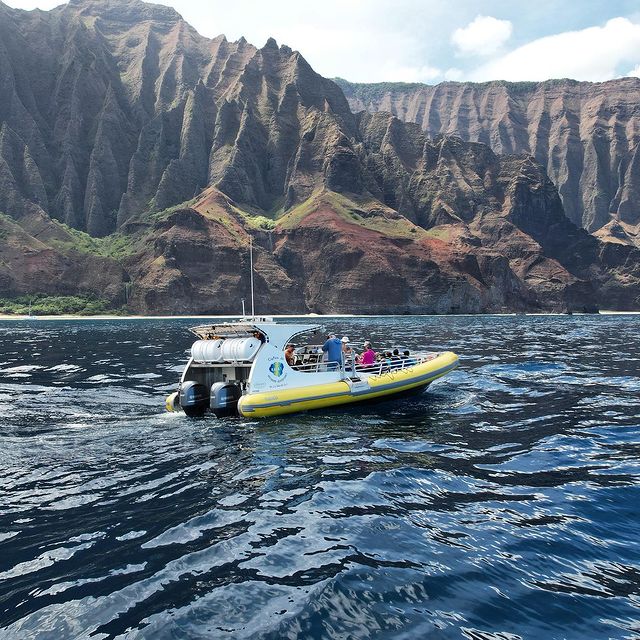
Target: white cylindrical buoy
[(240, 349), (207, 350), (229, 350)]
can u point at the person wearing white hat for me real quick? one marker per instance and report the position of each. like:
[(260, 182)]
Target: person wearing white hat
[(348, 356)]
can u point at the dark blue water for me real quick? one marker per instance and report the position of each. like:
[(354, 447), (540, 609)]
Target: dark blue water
[(502, 503)]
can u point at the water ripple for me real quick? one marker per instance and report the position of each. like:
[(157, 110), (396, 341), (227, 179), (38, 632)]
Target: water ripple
[(501, 504)]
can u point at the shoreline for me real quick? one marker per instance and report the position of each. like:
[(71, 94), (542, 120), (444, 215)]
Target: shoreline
[(12, 317)]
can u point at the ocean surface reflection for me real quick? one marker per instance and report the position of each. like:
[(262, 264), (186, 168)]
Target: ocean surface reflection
[(502, 503)]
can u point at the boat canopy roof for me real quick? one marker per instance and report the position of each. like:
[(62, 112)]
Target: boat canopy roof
[(278, 333)]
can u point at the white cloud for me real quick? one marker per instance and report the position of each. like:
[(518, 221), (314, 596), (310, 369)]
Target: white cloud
[(591, 54), (453, 74), (484, 36), (402, 73), (29, 5), (357, 55)]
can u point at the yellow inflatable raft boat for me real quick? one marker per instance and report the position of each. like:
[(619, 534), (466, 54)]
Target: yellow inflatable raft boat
[(330, 394), (241, 368)]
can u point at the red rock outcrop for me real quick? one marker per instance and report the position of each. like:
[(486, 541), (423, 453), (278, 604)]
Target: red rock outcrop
[(40, 256)]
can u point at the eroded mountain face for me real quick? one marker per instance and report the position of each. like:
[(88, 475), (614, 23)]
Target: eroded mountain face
[(468, 231), (585, 134), (111, 107), (118, 119)]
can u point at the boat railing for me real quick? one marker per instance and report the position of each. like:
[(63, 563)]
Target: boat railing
[(317, 367), (386, 365), (350, 368)]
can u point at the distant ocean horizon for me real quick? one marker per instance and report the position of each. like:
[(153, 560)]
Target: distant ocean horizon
[(303, 315)]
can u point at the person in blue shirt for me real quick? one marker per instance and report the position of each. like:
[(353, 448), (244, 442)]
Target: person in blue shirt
[(333, 348)]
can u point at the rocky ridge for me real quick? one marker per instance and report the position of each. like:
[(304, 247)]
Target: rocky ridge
[(468, 231), (585, 134), (111, 107)]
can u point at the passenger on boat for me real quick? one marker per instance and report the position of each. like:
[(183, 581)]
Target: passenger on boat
[(333, 348), (289, 354), (368, 356), (260, 336), (347, 353), (408, 360)]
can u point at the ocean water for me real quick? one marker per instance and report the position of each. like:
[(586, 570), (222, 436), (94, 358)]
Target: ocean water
[(502, 503)]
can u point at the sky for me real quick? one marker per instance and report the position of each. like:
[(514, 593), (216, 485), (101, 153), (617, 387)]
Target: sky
[(432, 40)]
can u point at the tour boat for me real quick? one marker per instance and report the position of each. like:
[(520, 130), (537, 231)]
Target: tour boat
[(240, 368)]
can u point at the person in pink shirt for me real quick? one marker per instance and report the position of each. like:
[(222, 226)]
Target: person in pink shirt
[(368, 356)]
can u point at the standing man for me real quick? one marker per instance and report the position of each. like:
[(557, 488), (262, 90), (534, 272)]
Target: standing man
[(333, 348)]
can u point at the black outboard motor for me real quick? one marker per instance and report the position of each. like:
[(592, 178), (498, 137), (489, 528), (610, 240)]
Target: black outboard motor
[(194, 398), (224, 398)]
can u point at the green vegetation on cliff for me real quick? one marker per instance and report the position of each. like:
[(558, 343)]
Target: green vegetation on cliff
[(45, 305), (117, 245), (358, 210), (373, 90)]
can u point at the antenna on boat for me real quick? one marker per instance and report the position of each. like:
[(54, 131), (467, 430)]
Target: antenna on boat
[(253, 310), (243, 311)]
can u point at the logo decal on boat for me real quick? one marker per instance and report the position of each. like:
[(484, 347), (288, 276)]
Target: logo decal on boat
[(277, 368)]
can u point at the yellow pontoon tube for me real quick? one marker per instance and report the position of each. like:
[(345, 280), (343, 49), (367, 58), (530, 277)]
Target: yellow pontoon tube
[(291, 400)]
